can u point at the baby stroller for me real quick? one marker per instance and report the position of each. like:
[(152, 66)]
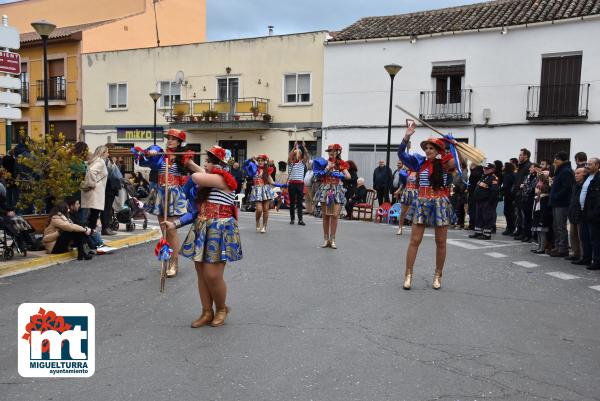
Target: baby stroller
[(132, 209), (16, 231)]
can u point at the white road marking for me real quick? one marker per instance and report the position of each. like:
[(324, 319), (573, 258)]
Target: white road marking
[(480, 244), (526, 264), (496, 255), (595, 287), (563, 276)]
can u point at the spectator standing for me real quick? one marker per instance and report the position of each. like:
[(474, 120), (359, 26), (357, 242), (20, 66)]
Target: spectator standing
[(93, 187), (296, 169), (237, 173), (560, 197), (9, 164), (486, 197), (113, 186), (475, 175), (459, 198), (382, 181), (508, 180), (580, 159), (575, 215), (542, 212), (527, 201), (522, 173), (589, 200)]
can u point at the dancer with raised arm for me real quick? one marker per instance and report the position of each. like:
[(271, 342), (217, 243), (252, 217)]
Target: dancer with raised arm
[(214, 238), (262, 189), (330, 193), (432, 206)]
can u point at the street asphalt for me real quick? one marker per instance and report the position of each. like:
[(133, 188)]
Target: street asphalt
[(320, 324)]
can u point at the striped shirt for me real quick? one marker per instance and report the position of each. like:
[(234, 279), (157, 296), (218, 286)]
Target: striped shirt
[(296, 173), (424, 178), (173, 169), (220, 197)]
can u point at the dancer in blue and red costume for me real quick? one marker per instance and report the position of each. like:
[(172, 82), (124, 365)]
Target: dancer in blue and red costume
[(408, 194), (262, 188), (179, 166), (330, 192), (432, 206), (214, 238)]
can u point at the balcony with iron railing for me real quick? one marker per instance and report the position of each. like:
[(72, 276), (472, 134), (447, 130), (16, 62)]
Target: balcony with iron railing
[(57, 89), (551, 102), (24, 91), (452, 105), (243, 113)]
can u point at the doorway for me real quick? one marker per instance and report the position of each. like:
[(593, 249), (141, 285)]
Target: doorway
[(238, 149)]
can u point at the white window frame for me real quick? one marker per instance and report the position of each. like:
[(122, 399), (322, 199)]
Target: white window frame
[(117, 108), (297, 102), (161, 104)]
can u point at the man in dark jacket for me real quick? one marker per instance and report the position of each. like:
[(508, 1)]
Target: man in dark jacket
[(519, 201), (589, 199), (474, 176), (508, 180), (575, 215), (486, 195), (360, 196), (527, 202), (382, 182), (560, 197), (237, 173)]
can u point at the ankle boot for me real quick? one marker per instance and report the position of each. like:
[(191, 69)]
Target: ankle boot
[(220, 316), (326, 243), (437, 279), (173, 267), (407, 278), (332, 243), (205, 318)]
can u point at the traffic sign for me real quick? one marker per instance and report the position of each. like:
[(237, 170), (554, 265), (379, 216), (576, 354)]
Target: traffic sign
[(7, 82), (10, 62), (10, 113), (10, 98), (9, 38)]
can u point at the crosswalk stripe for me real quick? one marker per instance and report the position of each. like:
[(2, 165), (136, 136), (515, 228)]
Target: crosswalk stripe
[(595, 287), (563, 276), (526, 264), (496, 255)]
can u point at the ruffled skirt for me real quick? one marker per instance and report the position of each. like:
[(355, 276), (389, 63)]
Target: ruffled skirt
[(177, 202), (261, 193), (335, 193), (433, 212), (213, 241), (408, 196)]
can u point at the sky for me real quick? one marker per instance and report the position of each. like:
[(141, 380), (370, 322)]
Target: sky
[(232, 19)]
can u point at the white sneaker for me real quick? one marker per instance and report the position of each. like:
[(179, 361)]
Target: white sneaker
[(105, 249), (263, 230)]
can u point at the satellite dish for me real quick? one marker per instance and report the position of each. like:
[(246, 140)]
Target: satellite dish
[(179, 77)]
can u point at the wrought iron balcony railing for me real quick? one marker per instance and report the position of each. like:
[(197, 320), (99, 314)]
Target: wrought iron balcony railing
[(24, 92), (57, 89), (452, 105), (558, 101)]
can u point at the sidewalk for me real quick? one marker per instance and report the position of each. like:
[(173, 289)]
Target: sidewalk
[(40, 259)]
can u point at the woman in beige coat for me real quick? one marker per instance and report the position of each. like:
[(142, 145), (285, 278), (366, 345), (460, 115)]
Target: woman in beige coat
[(93, 187), (61, 233)]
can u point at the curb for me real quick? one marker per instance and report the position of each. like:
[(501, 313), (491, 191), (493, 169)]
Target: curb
[(49, 260)]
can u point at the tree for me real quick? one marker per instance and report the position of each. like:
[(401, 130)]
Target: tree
[(49, 168)]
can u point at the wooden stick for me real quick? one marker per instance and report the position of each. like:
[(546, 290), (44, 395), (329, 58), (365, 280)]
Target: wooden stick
[(163, 267)]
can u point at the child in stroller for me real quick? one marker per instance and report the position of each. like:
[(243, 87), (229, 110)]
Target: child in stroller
[(130, 209)]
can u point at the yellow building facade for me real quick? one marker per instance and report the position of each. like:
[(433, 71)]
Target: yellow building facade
[(264, 93)]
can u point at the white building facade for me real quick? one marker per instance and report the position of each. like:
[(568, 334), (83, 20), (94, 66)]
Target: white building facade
[(500, 89)]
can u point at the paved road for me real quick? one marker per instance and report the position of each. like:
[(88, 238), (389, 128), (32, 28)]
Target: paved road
[(314, 324)]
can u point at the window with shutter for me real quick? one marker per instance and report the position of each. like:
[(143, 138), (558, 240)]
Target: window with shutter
[(117, 96), (171, 93), (296, 88)]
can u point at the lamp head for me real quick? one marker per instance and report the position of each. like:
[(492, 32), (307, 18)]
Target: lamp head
[(393, 69), (155, 96), (43, 28)]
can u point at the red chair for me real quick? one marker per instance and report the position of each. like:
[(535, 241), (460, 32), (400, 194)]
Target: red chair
[(382, 212), (367, 207)]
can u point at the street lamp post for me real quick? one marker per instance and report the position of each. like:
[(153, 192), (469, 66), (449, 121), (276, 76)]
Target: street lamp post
[(392, 69), (44, 29), (155, 96)]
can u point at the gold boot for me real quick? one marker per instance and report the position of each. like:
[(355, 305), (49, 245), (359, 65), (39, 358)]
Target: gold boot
[(220, 317), (437, 280), (332, 243), (172, 269), (205, 318), (326, 243), (407, 278)]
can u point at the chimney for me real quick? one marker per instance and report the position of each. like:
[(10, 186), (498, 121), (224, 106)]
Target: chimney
[(271, 30)]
